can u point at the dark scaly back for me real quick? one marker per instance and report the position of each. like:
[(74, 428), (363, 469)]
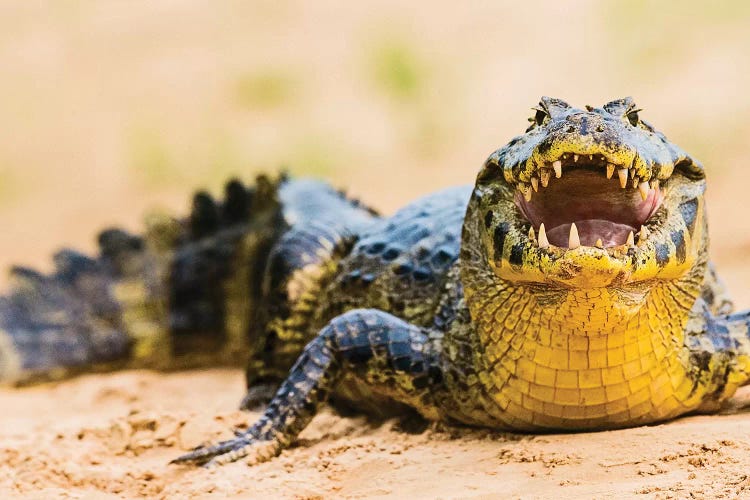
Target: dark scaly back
[(183, 294), (339, 256), (323, 226), (400, 264)]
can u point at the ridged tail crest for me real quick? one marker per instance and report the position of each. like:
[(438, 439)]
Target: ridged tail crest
[(182, 294)]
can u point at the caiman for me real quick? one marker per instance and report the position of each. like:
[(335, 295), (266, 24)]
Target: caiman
[(569, 289)]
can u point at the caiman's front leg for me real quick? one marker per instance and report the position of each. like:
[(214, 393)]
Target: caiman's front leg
[(719, 353), (392, 357)]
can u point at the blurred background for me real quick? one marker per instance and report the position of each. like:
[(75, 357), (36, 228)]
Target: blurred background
[(109, 108)]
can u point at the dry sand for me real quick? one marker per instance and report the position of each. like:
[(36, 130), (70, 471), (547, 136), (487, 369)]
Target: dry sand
[(112, 436)]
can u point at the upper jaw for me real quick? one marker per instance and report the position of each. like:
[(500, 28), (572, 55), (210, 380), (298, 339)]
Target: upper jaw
[(630, 171), (587, 201)]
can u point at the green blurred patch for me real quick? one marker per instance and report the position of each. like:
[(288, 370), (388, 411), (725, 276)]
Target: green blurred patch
[(265, 90), (396, 70), (417, 89), (149, 160)]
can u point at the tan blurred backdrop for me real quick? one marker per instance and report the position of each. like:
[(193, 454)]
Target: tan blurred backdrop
[(110, 107)]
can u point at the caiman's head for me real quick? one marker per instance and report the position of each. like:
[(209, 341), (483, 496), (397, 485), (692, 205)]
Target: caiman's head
[(590, 198)]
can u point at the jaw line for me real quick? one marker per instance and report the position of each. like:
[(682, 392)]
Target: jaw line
[(599, 207)]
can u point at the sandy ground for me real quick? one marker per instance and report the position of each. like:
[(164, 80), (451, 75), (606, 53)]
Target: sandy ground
[(112, 436)]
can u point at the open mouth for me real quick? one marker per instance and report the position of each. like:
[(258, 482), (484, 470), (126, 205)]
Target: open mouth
[(577, 201)]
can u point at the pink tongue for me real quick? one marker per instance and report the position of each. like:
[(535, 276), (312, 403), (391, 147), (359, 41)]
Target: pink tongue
[(611, 233)]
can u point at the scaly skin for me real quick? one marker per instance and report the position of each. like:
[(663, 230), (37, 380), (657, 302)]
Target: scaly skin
[(606, 341), (462, 306)]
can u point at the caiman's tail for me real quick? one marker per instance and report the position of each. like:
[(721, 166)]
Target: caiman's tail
[(180, 295)]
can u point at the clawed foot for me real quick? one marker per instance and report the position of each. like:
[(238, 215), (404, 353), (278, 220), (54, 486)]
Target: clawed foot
[(244, 446)]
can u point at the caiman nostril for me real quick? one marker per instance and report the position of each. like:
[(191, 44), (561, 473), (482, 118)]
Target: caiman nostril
[(600, 128), (571, 129)]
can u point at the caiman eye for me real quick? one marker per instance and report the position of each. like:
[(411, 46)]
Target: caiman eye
[(540, 116), (633, 117)]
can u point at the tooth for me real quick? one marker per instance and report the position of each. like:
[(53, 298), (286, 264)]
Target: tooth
[(532, 234), (655, 184), (591, 157), (525, 190), (573, 240), (635, 182), (632, 171), (575, 157), (544, 175), (557, 165), (543, 241), (535, 183), (599, 243), (631, 240), (610, 170), (623, 174), (643, 234), (644, 189)]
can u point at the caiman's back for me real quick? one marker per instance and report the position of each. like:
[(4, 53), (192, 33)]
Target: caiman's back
[(205, 290), (398, 264), (247, 280)]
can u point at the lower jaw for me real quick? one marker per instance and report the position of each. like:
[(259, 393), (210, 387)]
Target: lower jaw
[(583, 268)]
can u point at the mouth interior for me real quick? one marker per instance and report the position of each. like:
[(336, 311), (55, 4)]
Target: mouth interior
[(598, 206)]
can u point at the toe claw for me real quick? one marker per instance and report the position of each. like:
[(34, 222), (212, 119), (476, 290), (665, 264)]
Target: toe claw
[(243, 447), (206, 454), (199, 454)]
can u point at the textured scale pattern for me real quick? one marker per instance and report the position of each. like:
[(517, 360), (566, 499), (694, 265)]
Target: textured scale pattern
[(399, 264), (623, 373), (457, 306)]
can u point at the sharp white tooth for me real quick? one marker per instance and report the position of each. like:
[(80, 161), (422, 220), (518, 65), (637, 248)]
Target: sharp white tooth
[(631, 239), (573, 240), (635, 182), (532, 234), (575, 157), (543, 242), (591, 157), (632, 172), (557, 165), (623, 174), (644, 189), (544, 175), (655, 184), (599, 243), (525, 190), (643, 234), (610, 170), (535, 183)]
